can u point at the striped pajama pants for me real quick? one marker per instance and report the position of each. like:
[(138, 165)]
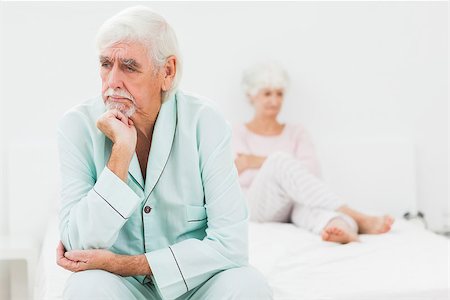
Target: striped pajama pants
[(284, 190)]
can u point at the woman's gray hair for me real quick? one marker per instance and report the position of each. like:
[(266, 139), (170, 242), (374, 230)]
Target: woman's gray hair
[(264, 75), (143, 25)]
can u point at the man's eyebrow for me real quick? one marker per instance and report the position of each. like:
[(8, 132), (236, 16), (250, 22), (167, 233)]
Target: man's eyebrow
[(129, 62), (104, 58)]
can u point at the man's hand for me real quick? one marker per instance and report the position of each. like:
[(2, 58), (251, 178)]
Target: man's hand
[(81, 260), (118, 128), (99, 259), (122, 132)]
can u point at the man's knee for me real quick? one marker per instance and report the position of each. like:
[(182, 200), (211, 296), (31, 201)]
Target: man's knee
[(91, 284), (239, 283)]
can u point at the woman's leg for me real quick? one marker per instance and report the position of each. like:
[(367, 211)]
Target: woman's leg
[(282, 175), (333, 226), (284, 180), (366, 223)]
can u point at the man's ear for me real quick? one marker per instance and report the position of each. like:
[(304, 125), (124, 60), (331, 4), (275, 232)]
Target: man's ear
[(169, 71)]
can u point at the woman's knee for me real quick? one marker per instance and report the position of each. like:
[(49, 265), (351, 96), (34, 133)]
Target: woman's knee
[(279, 155), (282, 160)]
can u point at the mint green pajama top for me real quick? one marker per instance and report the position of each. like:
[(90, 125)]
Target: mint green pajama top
[(189, 217)]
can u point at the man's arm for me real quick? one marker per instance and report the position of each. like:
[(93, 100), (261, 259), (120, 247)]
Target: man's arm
[(121, 131), (81, 260), (93, 207)]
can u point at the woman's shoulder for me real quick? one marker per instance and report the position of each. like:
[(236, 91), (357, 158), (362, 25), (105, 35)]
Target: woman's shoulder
[(296, 129), (239, 128)]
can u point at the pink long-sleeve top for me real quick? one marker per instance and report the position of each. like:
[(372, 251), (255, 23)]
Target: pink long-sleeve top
[(294, 139)]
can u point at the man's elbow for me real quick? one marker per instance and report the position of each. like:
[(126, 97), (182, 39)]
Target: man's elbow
[(89, 241)]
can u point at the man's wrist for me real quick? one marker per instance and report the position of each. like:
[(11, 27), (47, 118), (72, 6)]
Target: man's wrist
[(119, 161), (123, 150), (129, 265)]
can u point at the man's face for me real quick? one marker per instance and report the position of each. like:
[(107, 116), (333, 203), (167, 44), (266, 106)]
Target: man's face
[(129, 79)]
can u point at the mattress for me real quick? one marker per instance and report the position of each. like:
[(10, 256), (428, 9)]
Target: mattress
[(409, 263)]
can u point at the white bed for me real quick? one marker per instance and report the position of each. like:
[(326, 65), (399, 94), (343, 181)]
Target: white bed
[(409, 263)]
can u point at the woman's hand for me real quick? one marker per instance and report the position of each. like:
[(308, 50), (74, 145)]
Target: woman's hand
[(241, 162), (247, 161)]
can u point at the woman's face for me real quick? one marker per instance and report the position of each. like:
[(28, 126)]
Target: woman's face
[(267, 102)]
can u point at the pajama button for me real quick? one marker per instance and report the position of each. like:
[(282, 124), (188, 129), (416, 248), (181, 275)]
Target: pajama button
[(147, 209)]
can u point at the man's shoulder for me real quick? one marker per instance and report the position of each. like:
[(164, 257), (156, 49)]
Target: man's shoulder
[(194, 102), (79, 122), (199, 109), (86, 112), (202, 114)]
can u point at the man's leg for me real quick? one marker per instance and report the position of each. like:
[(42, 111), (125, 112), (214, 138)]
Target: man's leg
[(99, 284), (237, 283)]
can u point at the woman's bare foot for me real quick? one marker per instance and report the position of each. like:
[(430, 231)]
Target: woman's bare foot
[(366, 223), (375, 225), (338, 231)]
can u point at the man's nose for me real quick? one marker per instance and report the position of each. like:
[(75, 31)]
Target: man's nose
[(115, 79)]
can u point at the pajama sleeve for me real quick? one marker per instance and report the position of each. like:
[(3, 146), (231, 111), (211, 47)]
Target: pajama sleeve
[(305, 151), (238, 140), (189, 263), (94, 207)]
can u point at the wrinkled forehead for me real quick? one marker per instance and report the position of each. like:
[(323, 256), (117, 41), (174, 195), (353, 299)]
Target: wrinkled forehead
[(125, 51)]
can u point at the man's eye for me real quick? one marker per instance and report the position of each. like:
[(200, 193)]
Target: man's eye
[(105, 65), (130, 69)]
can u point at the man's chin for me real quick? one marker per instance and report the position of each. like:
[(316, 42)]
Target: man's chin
[(123, 108)]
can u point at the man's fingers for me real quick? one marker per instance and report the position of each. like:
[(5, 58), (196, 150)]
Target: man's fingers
[(71, 265), (120, 116), (76, 255), (62, 261), (70, 255), (75, 260), (60, 252), (60, 249)]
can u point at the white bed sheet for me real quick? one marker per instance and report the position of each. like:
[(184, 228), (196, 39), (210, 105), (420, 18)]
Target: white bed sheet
[(409, 263)]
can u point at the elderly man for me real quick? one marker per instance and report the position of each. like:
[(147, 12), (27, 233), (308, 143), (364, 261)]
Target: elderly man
[(151, 205)]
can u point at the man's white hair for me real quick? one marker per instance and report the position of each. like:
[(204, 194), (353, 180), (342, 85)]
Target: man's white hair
[(143, 25), (264, 75)]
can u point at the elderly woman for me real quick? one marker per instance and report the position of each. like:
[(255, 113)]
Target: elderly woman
[(279, 171)]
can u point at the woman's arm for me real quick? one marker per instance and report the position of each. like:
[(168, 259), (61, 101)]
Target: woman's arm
[(246, 161)]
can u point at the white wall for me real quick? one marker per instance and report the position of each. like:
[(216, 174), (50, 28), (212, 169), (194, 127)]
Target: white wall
[(357, 69), (4, 266)]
